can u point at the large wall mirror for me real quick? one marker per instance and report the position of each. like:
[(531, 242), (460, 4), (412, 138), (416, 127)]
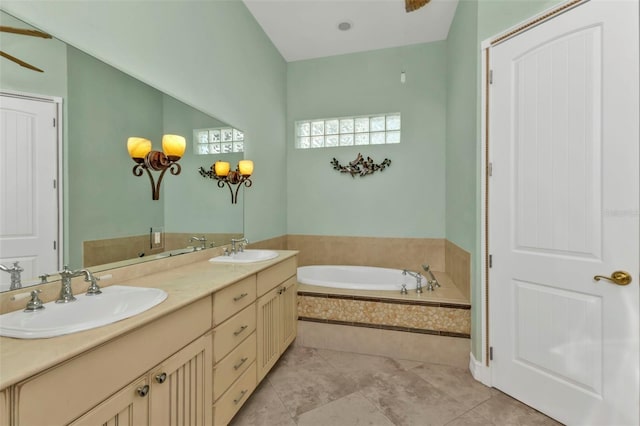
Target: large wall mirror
[(108, 213)]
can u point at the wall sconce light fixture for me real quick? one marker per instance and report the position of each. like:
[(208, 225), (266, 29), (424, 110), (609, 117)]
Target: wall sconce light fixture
[(220, 171), (173, 147)]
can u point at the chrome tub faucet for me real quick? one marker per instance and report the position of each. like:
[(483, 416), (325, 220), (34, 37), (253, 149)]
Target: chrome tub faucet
[(431, 281), (418, 278)]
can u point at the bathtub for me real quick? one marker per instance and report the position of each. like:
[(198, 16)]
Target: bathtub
[(353, 277)]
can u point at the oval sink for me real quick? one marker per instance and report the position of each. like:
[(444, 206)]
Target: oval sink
[(247, 256), (114, 304)]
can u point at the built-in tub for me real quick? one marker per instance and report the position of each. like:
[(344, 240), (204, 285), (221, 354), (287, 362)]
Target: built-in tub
[(353, 277), (368, 296)]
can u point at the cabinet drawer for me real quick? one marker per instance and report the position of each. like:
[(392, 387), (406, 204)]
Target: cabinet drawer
[(233, 365), (269, 278), (232, 299), (93, 376), (227, 335), (229, 403)]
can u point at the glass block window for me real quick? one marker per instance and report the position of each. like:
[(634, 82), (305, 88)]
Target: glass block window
[(348, 131), (221, 140)]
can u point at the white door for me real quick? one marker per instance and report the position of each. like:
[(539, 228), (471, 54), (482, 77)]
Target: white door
[(28, 181), (563, 141)]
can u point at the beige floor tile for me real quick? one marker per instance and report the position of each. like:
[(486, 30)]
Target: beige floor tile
[(304, 381), (332, 388), (455, 382), (504, 410), (406, 399), (263, 408), (471, 419), (350, 410)]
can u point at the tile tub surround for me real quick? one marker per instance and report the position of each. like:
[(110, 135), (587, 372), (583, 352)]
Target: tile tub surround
[(416, 316), (397, 253)]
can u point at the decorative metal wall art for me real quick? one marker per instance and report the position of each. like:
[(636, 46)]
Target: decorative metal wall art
[(360, 166)]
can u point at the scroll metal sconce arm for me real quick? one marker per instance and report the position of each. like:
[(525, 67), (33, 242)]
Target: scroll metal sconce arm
[(174, 168), (232, 179)]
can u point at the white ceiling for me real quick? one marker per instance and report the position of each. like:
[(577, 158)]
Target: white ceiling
[(306, 29)]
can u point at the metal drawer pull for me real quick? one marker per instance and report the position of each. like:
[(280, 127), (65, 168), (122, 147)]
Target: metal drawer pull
[(240, 330), (617, 277), (242, 361), (235, 299), (238, 399), (143, 390), (160, 378)]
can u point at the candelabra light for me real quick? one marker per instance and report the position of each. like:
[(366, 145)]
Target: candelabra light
[(220, 171), (173, 147)]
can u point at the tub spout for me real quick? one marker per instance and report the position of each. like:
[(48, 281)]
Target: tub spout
[(418, 278)]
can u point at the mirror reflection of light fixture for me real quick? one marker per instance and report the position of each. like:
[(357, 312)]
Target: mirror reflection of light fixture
[(220, 171), (173, 147)]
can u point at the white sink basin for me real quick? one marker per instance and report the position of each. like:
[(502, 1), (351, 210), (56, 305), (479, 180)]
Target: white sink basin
[(114, 304), (247, 256)]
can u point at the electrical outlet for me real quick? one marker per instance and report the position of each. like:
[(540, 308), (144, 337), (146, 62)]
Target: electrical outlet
[(156, 237)]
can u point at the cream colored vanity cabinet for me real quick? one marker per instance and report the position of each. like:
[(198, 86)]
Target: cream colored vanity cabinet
[(276, 313), (120, 379), (5, 407), (177, 392), (234, 348)]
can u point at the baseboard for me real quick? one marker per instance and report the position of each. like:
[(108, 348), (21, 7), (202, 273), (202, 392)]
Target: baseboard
[(479, 371)]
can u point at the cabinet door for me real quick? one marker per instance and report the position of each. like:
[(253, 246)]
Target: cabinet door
[(289, 302), (129, 407), (4, 407), (268, 331), (181, 387)]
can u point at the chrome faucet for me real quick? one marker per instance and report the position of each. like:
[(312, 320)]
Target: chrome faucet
[(15, 271), (202, 240), (418, 278), (66, 293), (431, 281), (242, 242)]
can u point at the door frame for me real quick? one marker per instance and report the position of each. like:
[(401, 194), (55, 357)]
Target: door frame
[(60, 161), (481, 368)]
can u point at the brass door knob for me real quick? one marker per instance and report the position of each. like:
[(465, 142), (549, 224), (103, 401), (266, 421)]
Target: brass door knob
[(617, 277)]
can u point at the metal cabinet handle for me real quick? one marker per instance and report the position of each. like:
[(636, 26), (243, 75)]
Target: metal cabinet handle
[(143, 390), (242, 361), (235, 299), (617, 277), (161, 378), (240, 330), (239, 398), (281, 290)]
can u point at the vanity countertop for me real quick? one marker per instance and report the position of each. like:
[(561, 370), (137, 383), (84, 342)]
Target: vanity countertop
[(20, 359)]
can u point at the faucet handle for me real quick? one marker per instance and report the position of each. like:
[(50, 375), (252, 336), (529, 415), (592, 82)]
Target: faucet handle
[(16, 267), (35, 304)]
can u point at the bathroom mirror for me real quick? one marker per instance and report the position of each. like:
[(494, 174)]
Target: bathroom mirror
[(109, 215)]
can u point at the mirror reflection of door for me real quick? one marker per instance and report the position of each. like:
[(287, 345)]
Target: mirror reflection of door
[(28, 185)]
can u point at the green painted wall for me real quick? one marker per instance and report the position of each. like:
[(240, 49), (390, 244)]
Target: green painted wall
[(192, 203), (211, 55), (107, 107), (405, 200), (462, 140)]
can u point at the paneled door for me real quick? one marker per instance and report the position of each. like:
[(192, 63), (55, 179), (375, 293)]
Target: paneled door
[(563, 143), (28, 186)]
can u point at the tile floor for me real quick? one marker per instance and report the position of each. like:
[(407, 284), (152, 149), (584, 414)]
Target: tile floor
[(329, 388)]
